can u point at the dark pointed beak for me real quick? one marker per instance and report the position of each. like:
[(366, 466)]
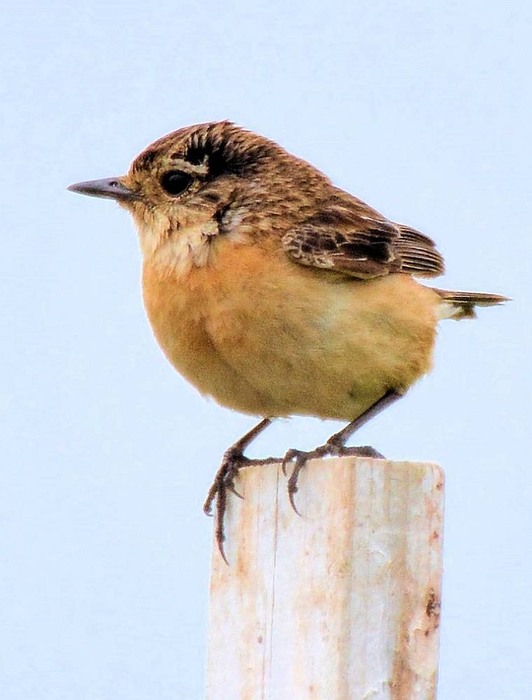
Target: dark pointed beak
[(111, 188)]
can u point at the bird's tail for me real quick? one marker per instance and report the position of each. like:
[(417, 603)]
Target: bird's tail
[(459, 305)]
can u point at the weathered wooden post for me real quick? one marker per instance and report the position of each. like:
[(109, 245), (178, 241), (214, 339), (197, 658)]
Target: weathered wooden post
[(341, 603)]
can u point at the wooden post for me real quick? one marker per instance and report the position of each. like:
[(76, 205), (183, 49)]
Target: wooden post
[(340, 603)]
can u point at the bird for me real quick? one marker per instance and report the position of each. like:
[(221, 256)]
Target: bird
[(277, 293)]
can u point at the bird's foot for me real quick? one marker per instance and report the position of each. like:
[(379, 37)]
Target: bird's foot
[(332, 448), (224, 482)]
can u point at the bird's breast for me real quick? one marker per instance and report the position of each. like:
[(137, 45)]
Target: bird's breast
[(266, 336)]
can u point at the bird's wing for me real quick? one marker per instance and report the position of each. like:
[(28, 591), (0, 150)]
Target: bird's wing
[(356, 240)]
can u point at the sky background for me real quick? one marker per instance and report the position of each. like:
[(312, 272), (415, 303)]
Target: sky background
[(422, 110)]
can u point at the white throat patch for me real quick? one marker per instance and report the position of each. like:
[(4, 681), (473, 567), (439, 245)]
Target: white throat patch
[(181, 250)]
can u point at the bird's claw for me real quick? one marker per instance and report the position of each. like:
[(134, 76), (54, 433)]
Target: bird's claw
[(234, 459), (224, 481), (330, 448), (300, 459), (361, 451)]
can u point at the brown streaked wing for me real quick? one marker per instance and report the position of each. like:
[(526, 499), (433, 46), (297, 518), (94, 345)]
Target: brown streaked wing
[(418, 253), (358, 242)]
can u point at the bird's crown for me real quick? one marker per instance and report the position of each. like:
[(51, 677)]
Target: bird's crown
[(212, 149)]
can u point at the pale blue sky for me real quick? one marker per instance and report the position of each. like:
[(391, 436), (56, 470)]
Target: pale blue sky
[(423, 110)]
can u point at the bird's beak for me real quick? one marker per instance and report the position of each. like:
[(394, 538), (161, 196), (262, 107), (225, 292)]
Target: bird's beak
[(110, 188)]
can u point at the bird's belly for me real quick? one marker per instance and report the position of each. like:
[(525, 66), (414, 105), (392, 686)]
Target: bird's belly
[(297, 343)]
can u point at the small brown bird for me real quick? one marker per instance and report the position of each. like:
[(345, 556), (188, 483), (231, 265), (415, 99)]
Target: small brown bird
[(276, 292)]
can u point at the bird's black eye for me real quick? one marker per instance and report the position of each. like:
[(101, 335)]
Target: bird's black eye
[(175, 181)]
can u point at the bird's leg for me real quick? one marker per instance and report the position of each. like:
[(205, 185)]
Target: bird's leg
[(224, 480), (335, 445)]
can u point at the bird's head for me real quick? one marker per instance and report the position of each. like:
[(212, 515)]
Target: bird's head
[(216, 175)]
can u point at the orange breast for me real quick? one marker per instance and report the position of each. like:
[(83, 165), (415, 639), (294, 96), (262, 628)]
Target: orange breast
[(266, 336)]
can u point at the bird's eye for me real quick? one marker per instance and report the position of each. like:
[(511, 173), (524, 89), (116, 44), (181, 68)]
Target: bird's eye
[(175, 181)]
